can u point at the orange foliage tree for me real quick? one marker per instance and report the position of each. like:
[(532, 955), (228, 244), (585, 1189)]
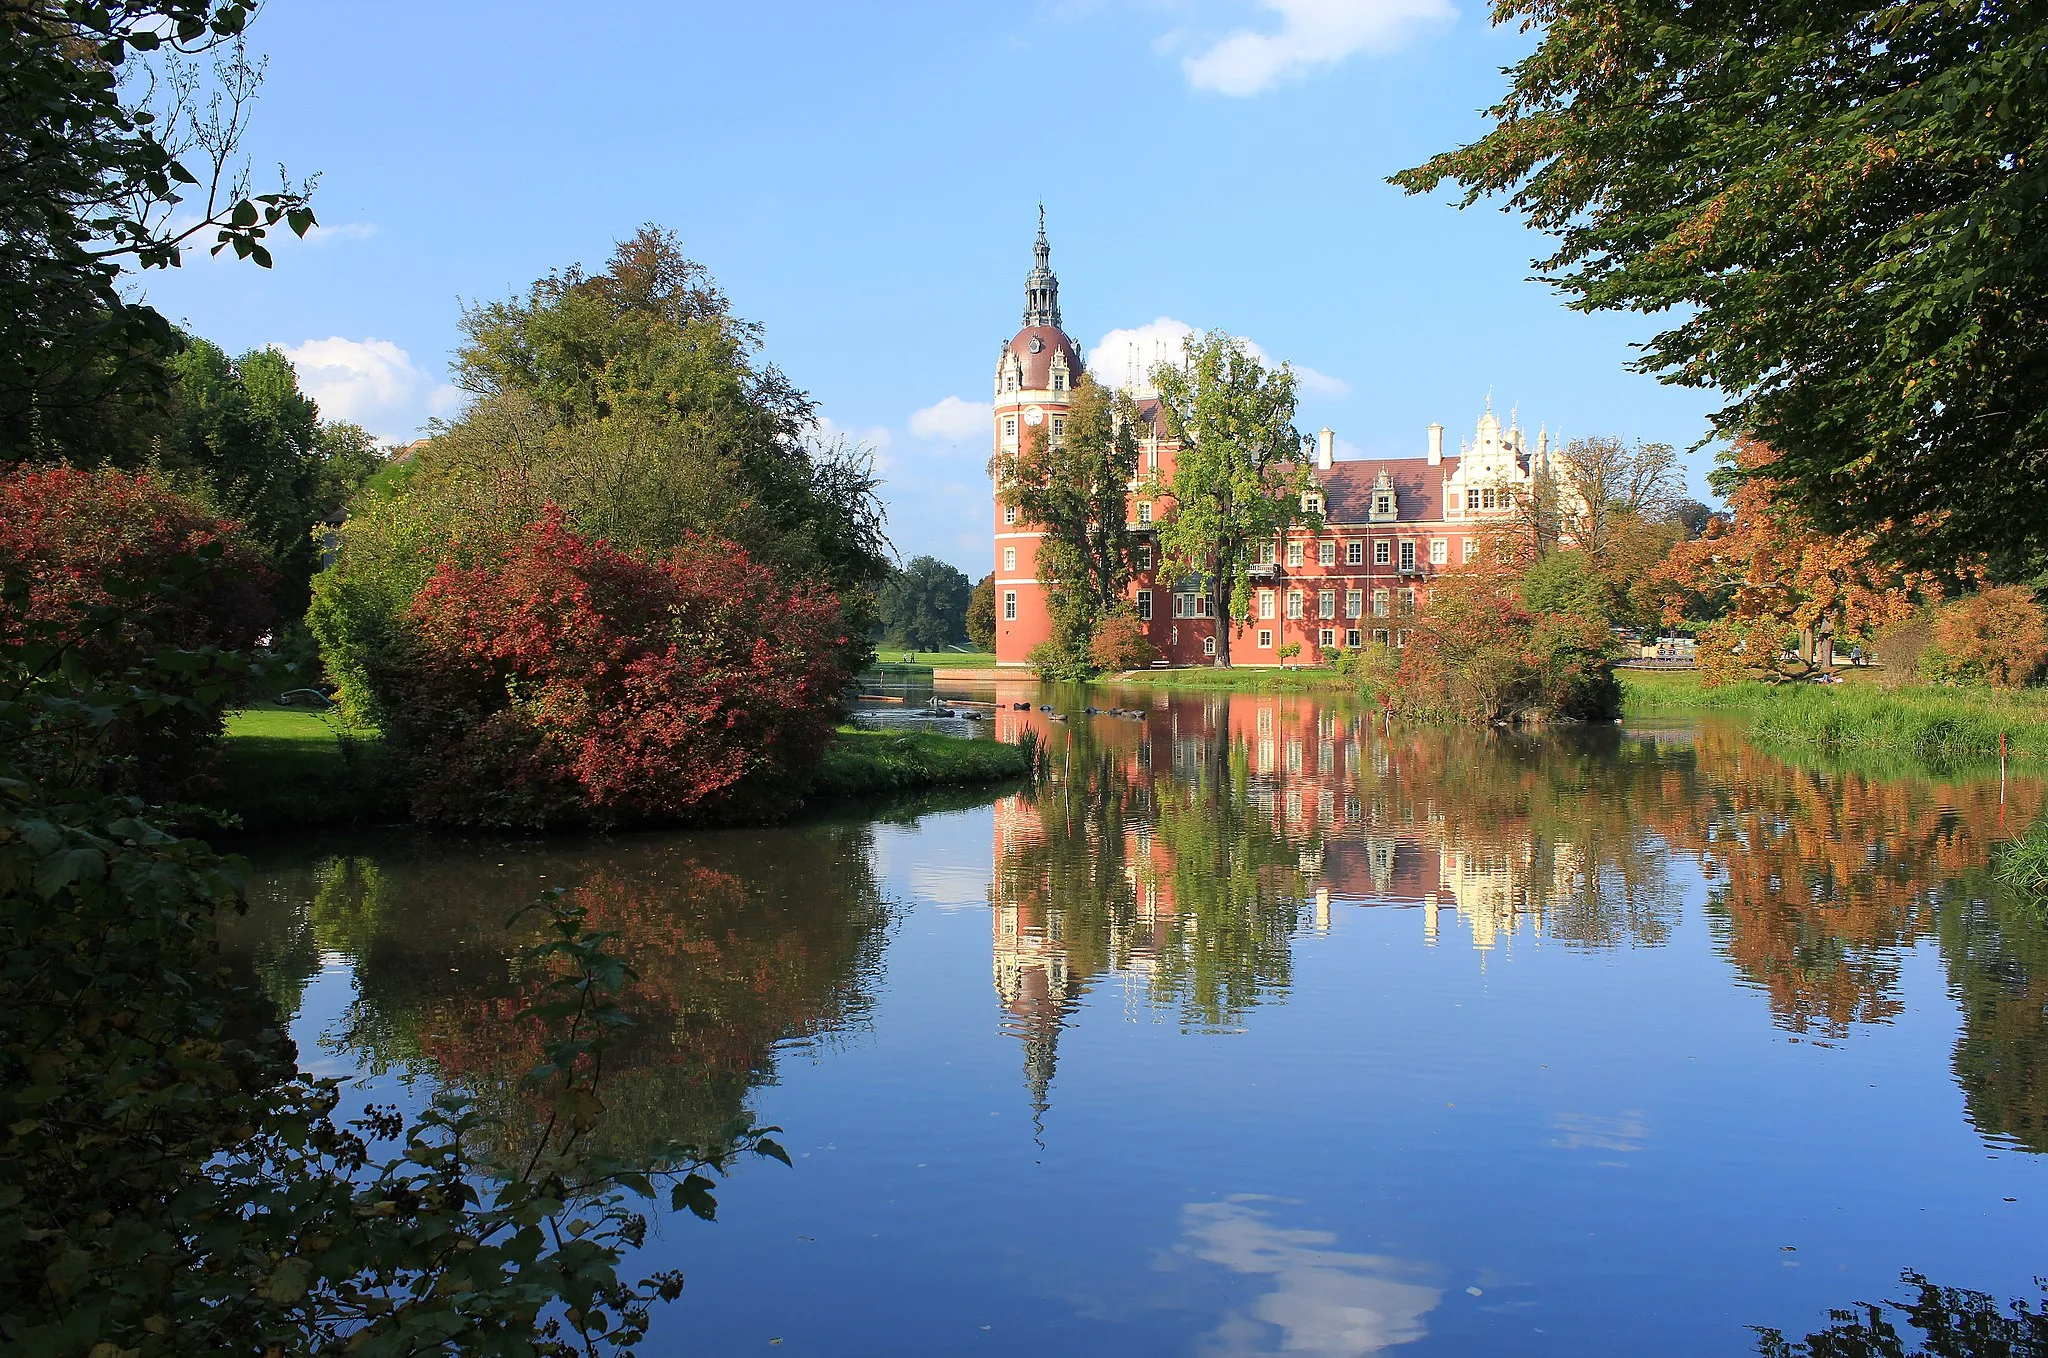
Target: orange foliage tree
[(1998, 636), (1789, 590)]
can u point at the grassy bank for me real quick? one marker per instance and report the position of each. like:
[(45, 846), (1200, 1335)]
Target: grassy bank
[(288, 769), (866, 763), (1938, 725), (1236, 680), (897, 660)]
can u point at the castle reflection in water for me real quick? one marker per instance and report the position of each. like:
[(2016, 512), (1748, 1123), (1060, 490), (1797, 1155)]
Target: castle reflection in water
[(1181, 852)]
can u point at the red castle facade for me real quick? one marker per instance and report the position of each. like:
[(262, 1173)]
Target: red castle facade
[(1390, 525)]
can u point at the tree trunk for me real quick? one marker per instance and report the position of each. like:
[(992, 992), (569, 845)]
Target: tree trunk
[(1221, 592)]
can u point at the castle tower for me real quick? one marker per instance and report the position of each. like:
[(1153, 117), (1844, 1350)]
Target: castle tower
[(1034, 383)]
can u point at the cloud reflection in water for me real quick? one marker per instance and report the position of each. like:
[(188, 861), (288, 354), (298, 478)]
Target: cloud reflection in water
[(1324, 1301)]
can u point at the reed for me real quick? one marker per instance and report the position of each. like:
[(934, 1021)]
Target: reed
[(2023, 864)]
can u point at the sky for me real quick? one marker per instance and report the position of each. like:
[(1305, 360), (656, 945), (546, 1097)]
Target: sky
[(863, 180)]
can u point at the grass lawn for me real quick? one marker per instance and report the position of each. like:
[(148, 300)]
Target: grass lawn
[(1926, 722), (287, 768), (891, 660), (283, 768)]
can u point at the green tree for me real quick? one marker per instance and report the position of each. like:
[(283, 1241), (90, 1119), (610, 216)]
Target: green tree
[(981, 614), (1239, 479), (1846, 208), (925, 604), (117, 150), (1074, 488)]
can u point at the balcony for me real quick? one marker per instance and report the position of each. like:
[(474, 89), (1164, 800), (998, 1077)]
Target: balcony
[(1266, 573)]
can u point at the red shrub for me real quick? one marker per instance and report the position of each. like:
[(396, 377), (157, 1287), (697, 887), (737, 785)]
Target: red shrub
[(564, 681), (118, 569), (1119, 644), (1998, 636)]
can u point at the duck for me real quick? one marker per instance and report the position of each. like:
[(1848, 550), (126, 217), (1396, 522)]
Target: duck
[(1059, 716)]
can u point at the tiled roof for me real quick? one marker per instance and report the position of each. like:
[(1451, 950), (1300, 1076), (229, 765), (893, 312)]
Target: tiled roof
[(1418, 488)]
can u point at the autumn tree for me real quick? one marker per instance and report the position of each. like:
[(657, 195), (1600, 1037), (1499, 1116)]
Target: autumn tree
[(1843, 208), (1239, 478), (1074, 487), (1779, 585), (1997, 636)]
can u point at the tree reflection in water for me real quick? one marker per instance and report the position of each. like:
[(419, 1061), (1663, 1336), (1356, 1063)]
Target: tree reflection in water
[(1941, 1322), (1183, 854), (738, 953)]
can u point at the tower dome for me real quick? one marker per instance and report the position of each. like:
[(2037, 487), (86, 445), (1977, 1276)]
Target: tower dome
[(1039, 357)]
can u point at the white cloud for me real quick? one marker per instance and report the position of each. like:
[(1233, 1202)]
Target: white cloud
[(1312, 33), (875, 438), (1324, 1302), (372, 382), (952, 418), (1126, 358), (322, 234)]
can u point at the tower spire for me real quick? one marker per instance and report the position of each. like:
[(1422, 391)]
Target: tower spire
[(1041, 287)]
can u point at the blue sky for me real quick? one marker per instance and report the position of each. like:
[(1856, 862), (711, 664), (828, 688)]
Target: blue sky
[(863, 180)]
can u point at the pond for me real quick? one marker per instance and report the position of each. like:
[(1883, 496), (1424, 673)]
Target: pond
[(1261, 1028)]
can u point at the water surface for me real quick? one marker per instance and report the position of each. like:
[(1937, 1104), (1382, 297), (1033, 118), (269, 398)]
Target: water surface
[(1258, 1028)]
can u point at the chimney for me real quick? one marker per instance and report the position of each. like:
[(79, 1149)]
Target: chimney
[(1436, 445), (1326, 449)]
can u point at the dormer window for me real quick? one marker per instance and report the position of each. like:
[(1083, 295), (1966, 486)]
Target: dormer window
[(1383, 504), (1059, 379), (1312, 503), (1010, 380)]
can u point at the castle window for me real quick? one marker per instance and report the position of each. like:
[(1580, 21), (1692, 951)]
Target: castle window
[(1009, 513), (1326, 553), (1407, 602), (1327, 638), (1265, 644), (1326, 603), (1265, 603), (1010, 380), (1009, 426), (1354, 604), (1144, 556), (1380, 599), (1009, 605), (1009, 558), (1407, 556), (1144, 605), (1144, 511), (1382, 504), (1059, 383), (1379, 636), (1059, 425), (1354, 554), (1381, 553), (1439, 552), (1471, 549), (1486, 498), (1294, 603), (1472, 498), (1401, 638), (1351, 637), (1208, 645), (1294, 553), (1265, 554), (1312, 503)]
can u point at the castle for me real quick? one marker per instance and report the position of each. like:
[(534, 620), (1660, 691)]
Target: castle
[(1390, 526)]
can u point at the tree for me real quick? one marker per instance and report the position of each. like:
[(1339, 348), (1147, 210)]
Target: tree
[(1480, 655), (1239, 478), (1074, 488), (1119, 644), (113, 153), (557, 680), (636, 402), (1845, 205), (1997, 636), (925, 604), (981, 614), (1775, 586)]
